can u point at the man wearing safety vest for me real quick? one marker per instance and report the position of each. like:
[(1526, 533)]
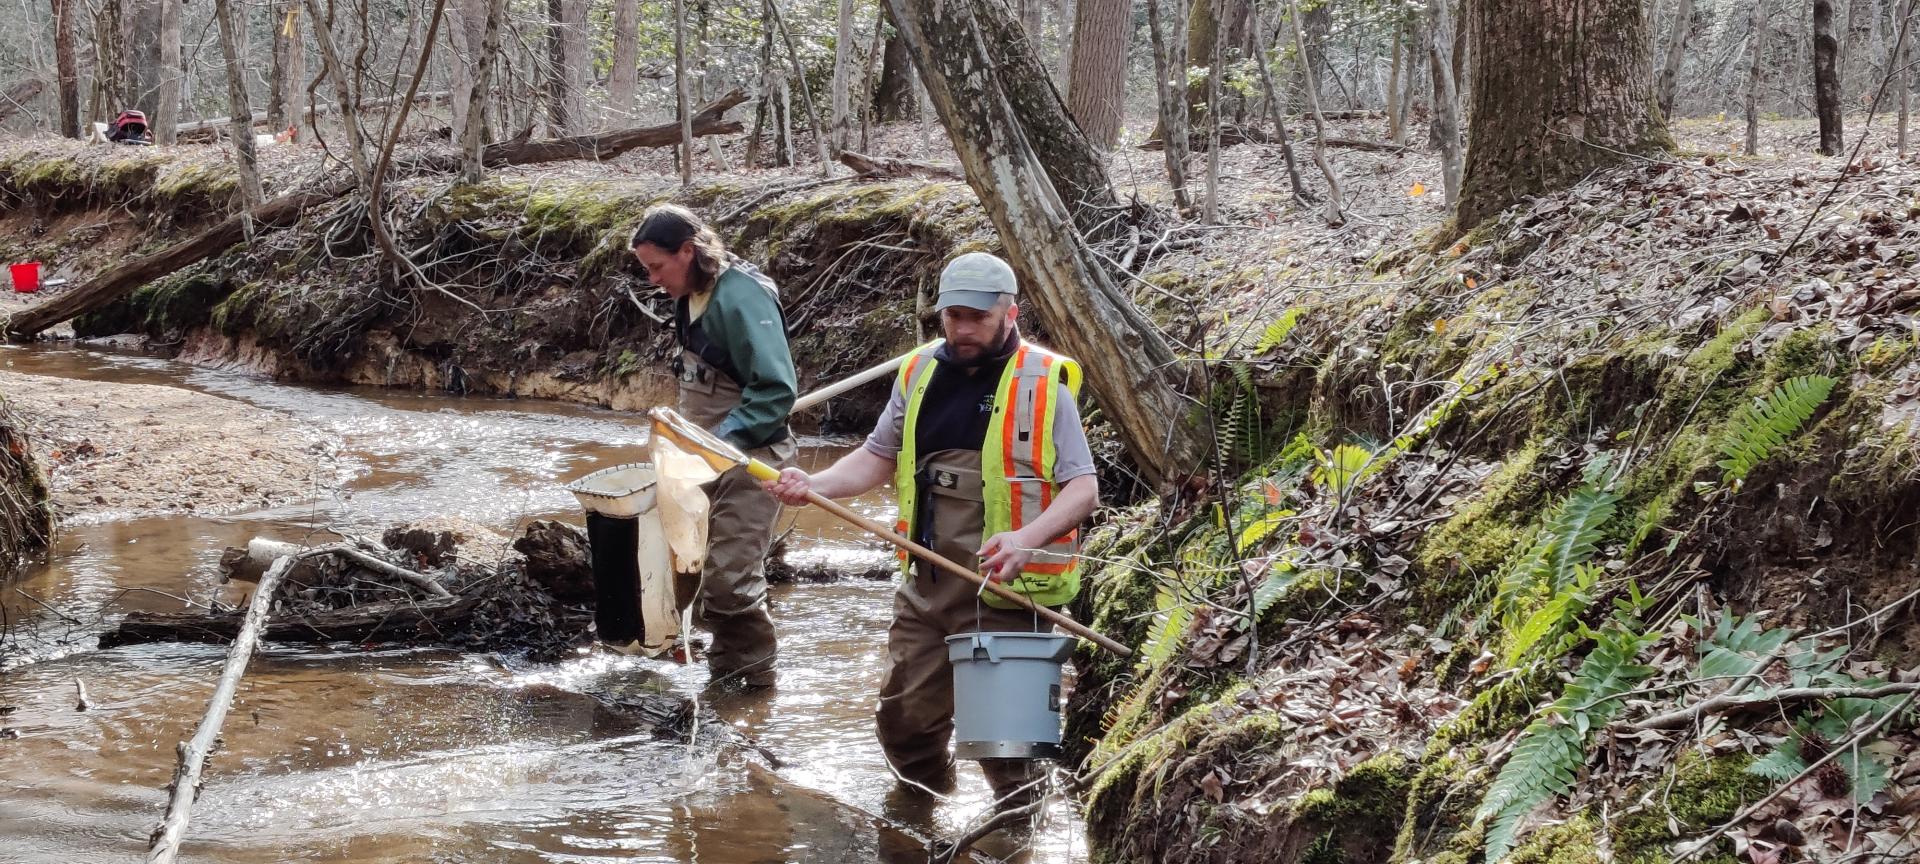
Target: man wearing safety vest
[(983, 441), (736, 380)]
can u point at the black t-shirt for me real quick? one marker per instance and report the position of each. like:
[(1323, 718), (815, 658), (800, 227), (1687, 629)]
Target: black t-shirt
[(958, 407)]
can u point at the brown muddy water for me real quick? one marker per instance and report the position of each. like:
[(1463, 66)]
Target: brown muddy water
[(410, 755)]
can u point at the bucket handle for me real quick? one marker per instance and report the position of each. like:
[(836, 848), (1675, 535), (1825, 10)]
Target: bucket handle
[(983, 644)]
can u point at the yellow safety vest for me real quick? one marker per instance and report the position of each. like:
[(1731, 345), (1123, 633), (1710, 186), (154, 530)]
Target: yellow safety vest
[(1016, 464)]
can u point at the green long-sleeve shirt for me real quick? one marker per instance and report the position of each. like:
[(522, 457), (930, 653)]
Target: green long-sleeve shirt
[(742, 316)]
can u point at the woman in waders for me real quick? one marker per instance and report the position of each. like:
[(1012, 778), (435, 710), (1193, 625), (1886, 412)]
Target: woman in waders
[(736, 379)]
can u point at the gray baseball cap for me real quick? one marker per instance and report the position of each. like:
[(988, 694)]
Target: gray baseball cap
[(976, 280)]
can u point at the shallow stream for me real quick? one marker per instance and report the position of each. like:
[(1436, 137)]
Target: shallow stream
[(333, 754)]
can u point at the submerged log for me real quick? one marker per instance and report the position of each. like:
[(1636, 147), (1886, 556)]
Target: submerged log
[(382, 621)]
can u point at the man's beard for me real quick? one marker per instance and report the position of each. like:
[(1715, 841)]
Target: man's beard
[(971, 354)]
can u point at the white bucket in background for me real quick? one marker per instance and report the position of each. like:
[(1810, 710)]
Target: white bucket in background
[(631, 492)]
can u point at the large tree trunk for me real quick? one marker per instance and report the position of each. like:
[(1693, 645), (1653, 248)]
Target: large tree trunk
[(342, 77), (1826, 78), (110, 77), (1756, 73), (567, 51), (1170, 94), (65, 68), (977, 81), (141, 26), (166, 113), (1676, 52), (465, 25), (241, 129), (682, 94), (1561, 87), (1096, 82), (625, 78), (893, 98)]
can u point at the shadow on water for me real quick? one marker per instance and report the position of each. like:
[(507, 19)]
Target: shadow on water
[(390, 756)]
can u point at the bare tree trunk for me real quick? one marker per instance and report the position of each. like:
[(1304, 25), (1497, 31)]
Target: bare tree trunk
[(1410, 89), (893, 99), (1561, 88), (1446, 101), (1216, 57), (1396, 116), (1903, 75), (567, 54), (867, 83), (473, 138), (765, 101), (1826, 79), (241, 129), (975, 88), (463, 40), (806, 90), (842, 79), (682, 92), (1336, 213), (1756, 73), (277, 76), (66, 69), (1275, 111), (625, 77), (1170, 92), (1096, 82), (166, 115), (110, 77), (342, 78), (1676, 52)]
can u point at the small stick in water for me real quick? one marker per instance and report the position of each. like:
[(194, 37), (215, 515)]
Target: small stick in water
[(80, 688)]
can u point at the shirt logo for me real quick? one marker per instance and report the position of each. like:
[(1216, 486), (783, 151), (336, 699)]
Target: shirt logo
[(946, 479)]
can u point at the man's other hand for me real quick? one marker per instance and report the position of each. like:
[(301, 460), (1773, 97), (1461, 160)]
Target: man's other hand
[(792, 486)]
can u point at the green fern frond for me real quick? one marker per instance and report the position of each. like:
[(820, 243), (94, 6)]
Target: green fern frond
[(1557, 616), (1169, 629), (1259, 529), (1337, 472), (1278, 330), (1569, 538), (1271, 589), (1764, 425), (1737, 643), (1552, 750)]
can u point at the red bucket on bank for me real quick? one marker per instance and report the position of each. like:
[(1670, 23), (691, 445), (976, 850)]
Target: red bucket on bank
[(26, 277)]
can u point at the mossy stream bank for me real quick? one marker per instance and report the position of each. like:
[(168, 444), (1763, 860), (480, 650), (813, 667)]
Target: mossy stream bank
[(1478, 508), (540, 298), (26, 509)]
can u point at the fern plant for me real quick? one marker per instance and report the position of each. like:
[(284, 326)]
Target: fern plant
[(1764, 425), (1278, 330), (1552, 749), (1569, 538), (1556, 617), (1340, 470)]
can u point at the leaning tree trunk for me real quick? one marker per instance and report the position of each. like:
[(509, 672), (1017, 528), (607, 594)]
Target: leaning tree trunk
[(67, 71), (1096, 82), (241, 128), (1756, 74), (1336, 208), (1826, 78), (1560, 88), (977, 83), (1676, 52)]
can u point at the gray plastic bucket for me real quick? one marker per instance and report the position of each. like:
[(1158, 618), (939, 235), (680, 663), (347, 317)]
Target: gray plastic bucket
[(1006, 694)]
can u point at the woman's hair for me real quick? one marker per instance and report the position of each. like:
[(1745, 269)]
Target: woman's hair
[(667, 227)]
